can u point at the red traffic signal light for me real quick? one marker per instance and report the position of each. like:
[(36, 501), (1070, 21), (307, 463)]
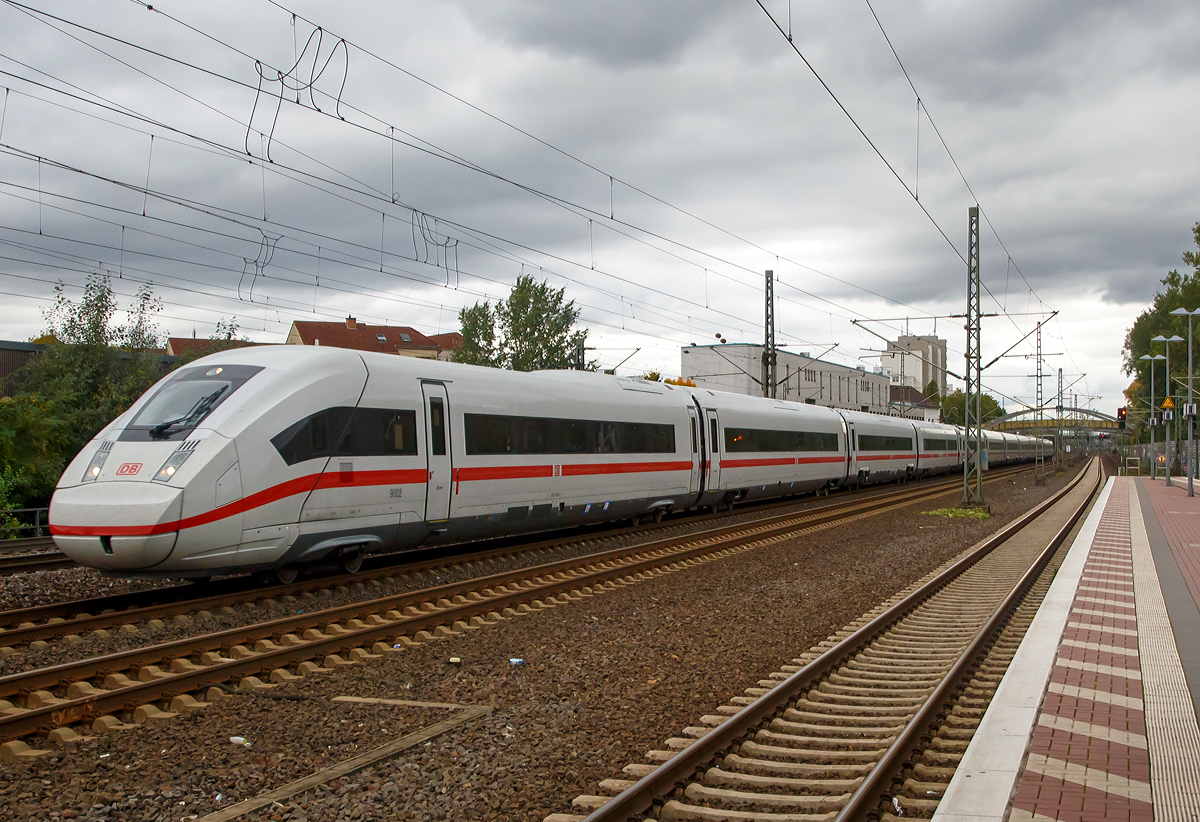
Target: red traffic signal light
[(1121, 418)]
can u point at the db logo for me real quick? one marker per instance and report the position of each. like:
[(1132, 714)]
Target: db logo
[(129, 468)]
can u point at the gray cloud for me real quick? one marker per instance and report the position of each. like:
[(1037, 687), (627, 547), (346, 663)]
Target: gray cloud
[(1074, 124), (615, 35)]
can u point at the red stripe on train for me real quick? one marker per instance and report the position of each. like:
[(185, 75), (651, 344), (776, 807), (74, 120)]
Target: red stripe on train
[(767, 461), (300, 485), (624, 468)]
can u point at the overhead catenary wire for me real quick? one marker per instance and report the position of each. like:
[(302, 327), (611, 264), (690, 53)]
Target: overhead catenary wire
[(526, 248), (455, 158)]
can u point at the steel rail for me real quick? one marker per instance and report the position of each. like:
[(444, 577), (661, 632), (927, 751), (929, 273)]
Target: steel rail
[(871, 791), (556, 578), (712, 540), (640, 796), (26, 563), (89, 615), (26, 545), (406, 562)]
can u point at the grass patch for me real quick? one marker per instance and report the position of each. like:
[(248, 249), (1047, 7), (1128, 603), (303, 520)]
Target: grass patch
[(972, 513)]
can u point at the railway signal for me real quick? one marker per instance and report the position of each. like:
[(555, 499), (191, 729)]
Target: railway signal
[(1121, 418)]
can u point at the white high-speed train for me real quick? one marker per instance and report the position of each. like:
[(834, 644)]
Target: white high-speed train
[(271, 458)]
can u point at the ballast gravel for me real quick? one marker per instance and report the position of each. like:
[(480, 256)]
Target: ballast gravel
[(598, 683), (81, 583)]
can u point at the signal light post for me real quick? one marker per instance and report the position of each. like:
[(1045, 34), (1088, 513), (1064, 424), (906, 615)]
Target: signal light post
[(1153, 409), (1190, 409), (1166, 341)]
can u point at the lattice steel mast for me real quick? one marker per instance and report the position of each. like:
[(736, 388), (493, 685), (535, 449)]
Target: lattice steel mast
[(972, 422), (769, 356)]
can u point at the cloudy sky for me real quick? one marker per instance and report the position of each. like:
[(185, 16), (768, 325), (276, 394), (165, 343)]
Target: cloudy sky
[(653, 158)]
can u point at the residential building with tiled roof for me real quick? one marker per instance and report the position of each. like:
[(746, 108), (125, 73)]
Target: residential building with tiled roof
[(192, 347), (386, 339)]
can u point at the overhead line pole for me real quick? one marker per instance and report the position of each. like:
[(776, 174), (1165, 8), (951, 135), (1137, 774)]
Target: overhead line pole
[(769, 358), (1058, 451), (973, 405)]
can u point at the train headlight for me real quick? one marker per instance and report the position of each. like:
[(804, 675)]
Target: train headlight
[(172, 465), (93, 469)]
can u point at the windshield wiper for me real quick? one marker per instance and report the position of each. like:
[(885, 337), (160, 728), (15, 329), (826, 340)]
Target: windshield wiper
[(197, 413)]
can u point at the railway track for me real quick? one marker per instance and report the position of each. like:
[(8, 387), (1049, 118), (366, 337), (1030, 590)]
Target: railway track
[(46, 623), (23, 563), (101, 692), (870, 723)]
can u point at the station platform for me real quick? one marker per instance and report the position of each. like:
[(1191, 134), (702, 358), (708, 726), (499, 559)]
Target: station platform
[(1097, 716)]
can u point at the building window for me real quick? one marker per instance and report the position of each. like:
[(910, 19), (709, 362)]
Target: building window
[(381, 338), (405, 337)]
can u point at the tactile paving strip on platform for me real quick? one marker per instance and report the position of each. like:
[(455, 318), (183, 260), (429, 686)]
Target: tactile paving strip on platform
[(1088, 755), (1170, 714), (1116, 736)]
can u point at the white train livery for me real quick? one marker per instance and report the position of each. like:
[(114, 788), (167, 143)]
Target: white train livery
[(271, 458)]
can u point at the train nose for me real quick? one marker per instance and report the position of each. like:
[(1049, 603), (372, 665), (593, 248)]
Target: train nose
[(116, 525)]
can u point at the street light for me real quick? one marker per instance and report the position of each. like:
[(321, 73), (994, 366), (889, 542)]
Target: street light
[(1166, 341), (1153, 462), (1191, 408)]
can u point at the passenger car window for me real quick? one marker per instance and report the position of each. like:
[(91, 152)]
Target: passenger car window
[(361, 432), (437, 427)]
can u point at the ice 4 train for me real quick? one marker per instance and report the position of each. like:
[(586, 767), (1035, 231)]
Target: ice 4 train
[(271, 458)]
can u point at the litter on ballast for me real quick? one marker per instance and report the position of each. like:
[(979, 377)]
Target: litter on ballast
[(239, 740), (516, 661), (454, 660)]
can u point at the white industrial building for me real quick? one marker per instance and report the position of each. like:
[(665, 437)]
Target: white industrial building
[(738, 368), (915, 361)]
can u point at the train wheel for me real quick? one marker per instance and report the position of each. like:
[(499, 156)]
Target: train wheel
[(287, 575), (635, 520), (351, 562), (658, 515)]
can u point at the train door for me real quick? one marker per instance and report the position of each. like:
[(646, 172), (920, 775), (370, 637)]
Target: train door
[(437, 449), (693, 419), (851, 449), (714, 449)]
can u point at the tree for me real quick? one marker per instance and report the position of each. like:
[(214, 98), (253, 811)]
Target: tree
[(478, 345), (531, 330), (1182, 290), (683, 381), (89, 373), (652, 376), (932, 390), (954, 408)]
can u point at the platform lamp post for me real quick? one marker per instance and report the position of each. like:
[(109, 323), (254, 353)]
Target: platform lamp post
[(1190, 410), (1166, 341), (1153, 408)]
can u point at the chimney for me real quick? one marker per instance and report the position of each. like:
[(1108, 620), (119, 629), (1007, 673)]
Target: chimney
[(317, 341), (351, 323)]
